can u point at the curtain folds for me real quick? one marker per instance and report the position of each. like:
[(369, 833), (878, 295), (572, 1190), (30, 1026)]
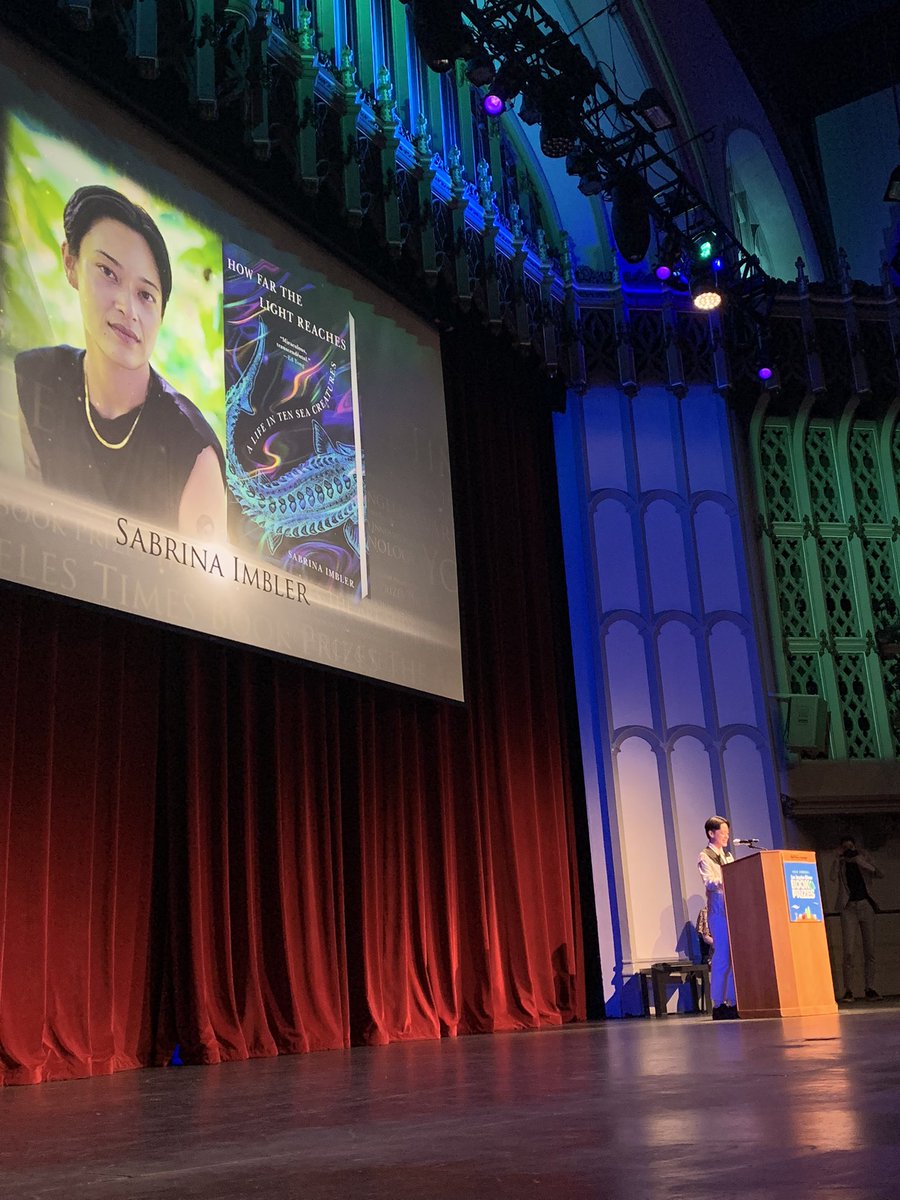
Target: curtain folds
[(78, 746), (206, 847)]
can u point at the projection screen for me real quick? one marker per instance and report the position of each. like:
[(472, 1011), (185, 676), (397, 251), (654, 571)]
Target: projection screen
[(205, 419)]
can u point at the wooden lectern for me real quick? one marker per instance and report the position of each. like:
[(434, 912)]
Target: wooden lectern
[(776, 927)]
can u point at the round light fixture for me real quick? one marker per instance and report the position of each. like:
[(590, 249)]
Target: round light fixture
[(706, 295), (556, 138)]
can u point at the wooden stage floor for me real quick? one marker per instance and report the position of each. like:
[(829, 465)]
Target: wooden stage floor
[(763, 1110)]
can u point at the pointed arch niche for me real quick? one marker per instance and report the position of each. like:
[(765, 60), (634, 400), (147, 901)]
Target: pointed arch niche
[(693, 800), (745, 781), (732, 678), (762, 216), (714, 531), (643, 842), (679, 668), (664, 533), (627, 681), (614, 540)]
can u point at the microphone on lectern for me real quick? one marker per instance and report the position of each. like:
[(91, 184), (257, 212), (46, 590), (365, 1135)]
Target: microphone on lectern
[(745, 841)]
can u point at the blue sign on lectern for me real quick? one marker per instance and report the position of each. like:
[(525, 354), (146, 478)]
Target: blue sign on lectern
[(803, 895)]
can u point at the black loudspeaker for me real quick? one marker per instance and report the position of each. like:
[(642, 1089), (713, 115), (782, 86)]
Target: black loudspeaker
[(440, 33), (807, 724), (631, 216)]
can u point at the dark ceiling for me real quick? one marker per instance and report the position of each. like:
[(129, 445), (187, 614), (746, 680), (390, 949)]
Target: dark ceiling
[(807, 57)]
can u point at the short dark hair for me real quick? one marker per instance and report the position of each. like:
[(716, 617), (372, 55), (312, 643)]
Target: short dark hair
[(848, 837), (88, 205), (714, 823)]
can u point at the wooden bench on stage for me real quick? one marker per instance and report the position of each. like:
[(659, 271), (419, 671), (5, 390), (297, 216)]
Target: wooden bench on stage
[(660, 974)]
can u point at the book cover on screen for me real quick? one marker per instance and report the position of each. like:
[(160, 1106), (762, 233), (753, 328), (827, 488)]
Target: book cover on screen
[(294, 453)]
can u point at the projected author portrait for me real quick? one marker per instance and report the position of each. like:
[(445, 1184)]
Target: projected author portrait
[(100, 422)]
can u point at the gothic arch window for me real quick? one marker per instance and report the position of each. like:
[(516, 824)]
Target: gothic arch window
[(643, 838), (627, 681), (614, 546), (679, 668), (732, 678), (714, 531), (664, 534), (762, 216), (694, 798), (745, 781)]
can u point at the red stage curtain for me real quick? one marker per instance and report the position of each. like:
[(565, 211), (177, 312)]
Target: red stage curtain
[(244, 856), (78, 744)]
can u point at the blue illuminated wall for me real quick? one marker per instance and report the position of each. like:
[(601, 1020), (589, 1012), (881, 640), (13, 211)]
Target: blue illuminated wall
[(673, 710)]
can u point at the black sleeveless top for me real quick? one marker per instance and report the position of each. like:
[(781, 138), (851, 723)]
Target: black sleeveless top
[(147, 476)]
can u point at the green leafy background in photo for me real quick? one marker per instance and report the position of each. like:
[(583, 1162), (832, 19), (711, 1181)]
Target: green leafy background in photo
[(41, 309)]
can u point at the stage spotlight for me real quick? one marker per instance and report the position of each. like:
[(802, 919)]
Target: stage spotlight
[(480, 69), (440, 34), (892, 191), (584, 164), (580, 161), (669, 256), (506, 84), (591, 183), (630, 216), (530, 112), (704, 248), (705, 291), (653, 108), (557, 136), (765, 373)]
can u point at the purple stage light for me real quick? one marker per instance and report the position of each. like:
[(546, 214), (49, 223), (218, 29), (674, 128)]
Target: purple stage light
[(765, 372), (493, 105), (663, 272), (717, 264)]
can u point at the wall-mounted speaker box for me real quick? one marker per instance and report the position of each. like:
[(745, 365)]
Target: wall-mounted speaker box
[(807, 723)]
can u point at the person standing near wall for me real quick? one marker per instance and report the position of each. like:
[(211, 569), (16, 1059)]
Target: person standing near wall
[(854, 871), (712, 859)]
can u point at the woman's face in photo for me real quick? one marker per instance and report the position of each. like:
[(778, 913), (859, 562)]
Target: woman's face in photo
[(119, 290)]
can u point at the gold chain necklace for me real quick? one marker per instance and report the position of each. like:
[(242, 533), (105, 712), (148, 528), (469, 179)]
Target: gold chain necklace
[(99, 436)]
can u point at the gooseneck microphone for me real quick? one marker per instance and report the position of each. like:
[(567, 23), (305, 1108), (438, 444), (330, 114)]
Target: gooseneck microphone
[(745, 841)]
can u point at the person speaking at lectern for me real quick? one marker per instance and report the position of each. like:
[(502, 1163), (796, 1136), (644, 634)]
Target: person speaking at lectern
[(713, 857)]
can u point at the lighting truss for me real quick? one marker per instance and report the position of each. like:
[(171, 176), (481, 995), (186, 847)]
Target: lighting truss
[(613, 136)]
